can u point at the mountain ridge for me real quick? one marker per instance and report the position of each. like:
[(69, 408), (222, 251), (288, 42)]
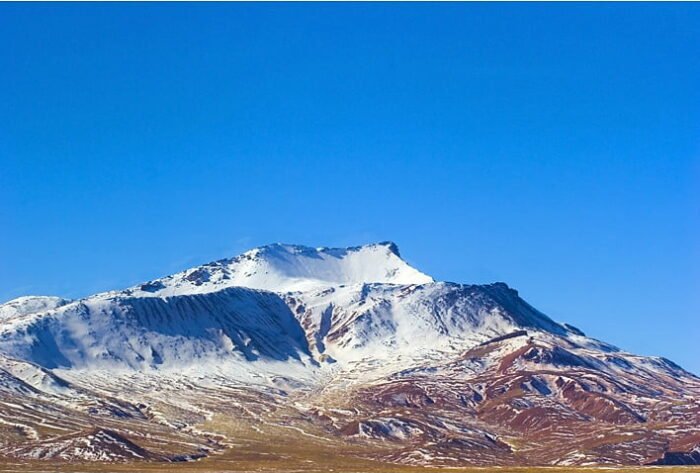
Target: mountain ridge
[(368, 278)]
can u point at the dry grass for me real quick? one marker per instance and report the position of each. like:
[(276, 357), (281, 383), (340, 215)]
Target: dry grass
[(281, 466), (277, 446), (276, 451)]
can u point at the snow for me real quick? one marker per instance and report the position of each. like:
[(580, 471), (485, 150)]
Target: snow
[(387, 428), (29, 374), (29, 305), (151, 333), (286, 311), (379, 320), (98, 446), (287, 268)]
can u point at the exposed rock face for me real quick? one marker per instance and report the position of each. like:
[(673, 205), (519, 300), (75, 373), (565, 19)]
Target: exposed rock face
[(691, 457)]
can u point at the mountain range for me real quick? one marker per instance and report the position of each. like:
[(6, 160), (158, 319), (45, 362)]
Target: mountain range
[(286, 351)]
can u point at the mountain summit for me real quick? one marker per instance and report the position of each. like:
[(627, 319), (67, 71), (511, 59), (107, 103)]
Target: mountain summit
[(287, 268), (351, 346)]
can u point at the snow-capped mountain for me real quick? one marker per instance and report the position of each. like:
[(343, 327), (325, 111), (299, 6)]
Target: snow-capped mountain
[(364, 347), (275, 303)]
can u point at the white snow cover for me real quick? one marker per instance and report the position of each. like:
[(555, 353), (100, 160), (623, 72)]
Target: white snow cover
[(283, 309), (29, 305), (32, 377), (380, 320), (139, 333), (286, 268)]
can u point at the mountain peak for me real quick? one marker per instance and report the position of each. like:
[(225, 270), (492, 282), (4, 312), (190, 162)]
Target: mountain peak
[(273, 248), (281, 267), (284, 267)]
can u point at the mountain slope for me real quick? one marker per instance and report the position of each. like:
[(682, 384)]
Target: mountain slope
[(117, 332)]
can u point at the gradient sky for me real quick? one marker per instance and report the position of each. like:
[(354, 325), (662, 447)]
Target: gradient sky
[(555, 147)]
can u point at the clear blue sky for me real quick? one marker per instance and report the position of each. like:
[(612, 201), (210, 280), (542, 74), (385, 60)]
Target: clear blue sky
[(552, 146)]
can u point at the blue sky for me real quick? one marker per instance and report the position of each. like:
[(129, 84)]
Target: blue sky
[(555, 147)]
